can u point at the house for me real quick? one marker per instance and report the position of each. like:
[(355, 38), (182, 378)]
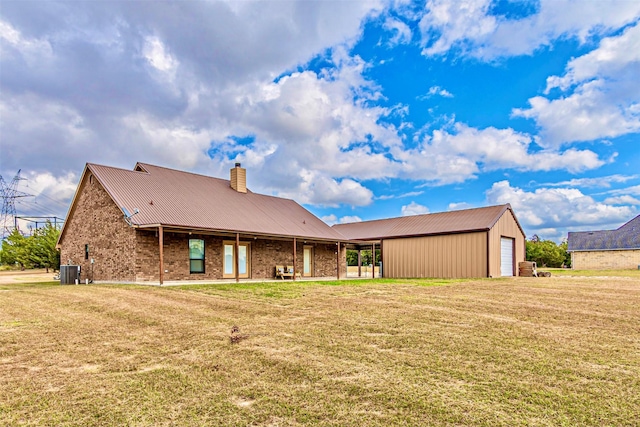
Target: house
[(154, 224), (483, 242), (606, 249)]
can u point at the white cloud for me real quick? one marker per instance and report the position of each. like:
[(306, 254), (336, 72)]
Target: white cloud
[(155, 52), (400, 196), (557, 208), (454, 23), (348, 219), (414, 208), (330, 219), (472, 30), (604, 99), (622, 200), (437, 90), (318, 189), (34, 51), (460, 206), (401, 32), (448, 157), (598, 182), (635, 190)]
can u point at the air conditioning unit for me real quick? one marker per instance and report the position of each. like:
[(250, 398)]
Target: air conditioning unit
[(69, 274)]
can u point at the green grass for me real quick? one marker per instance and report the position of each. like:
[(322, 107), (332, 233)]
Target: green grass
[(593, 273), (503, 352), (296, 289)]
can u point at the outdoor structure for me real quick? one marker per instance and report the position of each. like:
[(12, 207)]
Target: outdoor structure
[(606, 249), (483, 242), (154, 224)]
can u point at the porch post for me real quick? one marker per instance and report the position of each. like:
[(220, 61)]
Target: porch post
[(381, 259), (338, 261), (373, 261), (237, 257), (161, 245), (359, 263), (295, 268)]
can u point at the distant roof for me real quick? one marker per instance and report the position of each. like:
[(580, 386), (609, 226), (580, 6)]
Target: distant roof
[(461, 221), (625, 237), (178, 199)]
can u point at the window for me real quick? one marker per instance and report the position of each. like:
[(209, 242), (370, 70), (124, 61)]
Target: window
[(86, 251), (196, 256), (229, 260)]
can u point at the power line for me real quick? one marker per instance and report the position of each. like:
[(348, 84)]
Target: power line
[(9, 195)]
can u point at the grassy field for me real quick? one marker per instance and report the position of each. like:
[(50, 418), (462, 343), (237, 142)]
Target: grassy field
[(544, 352)]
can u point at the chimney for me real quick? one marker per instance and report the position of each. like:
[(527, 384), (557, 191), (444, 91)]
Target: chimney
[(239, 179)]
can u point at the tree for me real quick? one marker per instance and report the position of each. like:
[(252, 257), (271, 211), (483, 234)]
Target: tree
[(365, 257), (41, 246), (546, 253), (37, 250), (14, 249)]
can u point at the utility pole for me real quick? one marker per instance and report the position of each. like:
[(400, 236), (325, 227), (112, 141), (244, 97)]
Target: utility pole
[(9, 195)]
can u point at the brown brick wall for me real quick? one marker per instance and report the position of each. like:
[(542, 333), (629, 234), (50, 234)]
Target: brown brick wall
[(264, 256), (603, 260), (98, 222)]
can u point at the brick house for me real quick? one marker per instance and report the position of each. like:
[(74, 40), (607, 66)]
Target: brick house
[(606, 249), (154, 224)]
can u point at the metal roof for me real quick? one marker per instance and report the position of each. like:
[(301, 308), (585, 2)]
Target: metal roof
[(178, 199), (625, 237), (461, 221)]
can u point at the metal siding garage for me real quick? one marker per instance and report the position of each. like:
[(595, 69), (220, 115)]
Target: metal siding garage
[(506, 256), (456, 244)]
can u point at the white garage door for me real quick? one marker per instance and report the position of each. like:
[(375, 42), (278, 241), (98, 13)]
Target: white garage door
[(506, 256)]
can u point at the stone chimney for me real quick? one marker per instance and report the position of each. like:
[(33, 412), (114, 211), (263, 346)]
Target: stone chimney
[(239, 179)]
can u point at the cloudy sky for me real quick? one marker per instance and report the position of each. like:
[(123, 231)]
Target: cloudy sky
[(358, 110)]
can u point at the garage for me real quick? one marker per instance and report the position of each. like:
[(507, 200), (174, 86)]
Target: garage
[(479, 242)]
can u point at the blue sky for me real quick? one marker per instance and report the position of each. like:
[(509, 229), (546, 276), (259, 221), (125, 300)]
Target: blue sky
[(358, 110)]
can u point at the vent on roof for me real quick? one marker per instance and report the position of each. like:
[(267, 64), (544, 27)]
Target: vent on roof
[(239, 179)]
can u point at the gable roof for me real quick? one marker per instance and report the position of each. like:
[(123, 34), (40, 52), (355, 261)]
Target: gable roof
[(626, 236), (462, 221), (177, 199)]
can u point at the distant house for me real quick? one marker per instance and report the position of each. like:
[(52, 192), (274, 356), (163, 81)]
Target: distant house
[(483, 242), (606, 249), (154, 224)]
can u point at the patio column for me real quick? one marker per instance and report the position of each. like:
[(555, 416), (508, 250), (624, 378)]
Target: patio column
[(338, 261), (381, 258), (295, 268), (373, 261), (359, 263), (161, 252), (237, 257)]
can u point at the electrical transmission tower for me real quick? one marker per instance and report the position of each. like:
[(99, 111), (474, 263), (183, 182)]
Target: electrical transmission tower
[(9, 195)]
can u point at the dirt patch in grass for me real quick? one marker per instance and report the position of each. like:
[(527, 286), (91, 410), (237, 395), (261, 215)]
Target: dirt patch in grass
[(527, 351)]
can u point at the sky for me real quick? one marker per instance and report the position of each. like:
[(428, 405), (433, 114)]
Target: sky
[(358, 110)]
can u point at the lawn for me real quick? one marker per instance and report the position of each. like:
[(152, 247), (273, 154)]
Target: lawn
[(526, 351)]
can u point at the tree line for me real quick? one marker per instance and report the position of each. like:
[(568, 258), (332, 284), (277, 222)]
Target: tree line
[(547, 253), (35, 251)]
